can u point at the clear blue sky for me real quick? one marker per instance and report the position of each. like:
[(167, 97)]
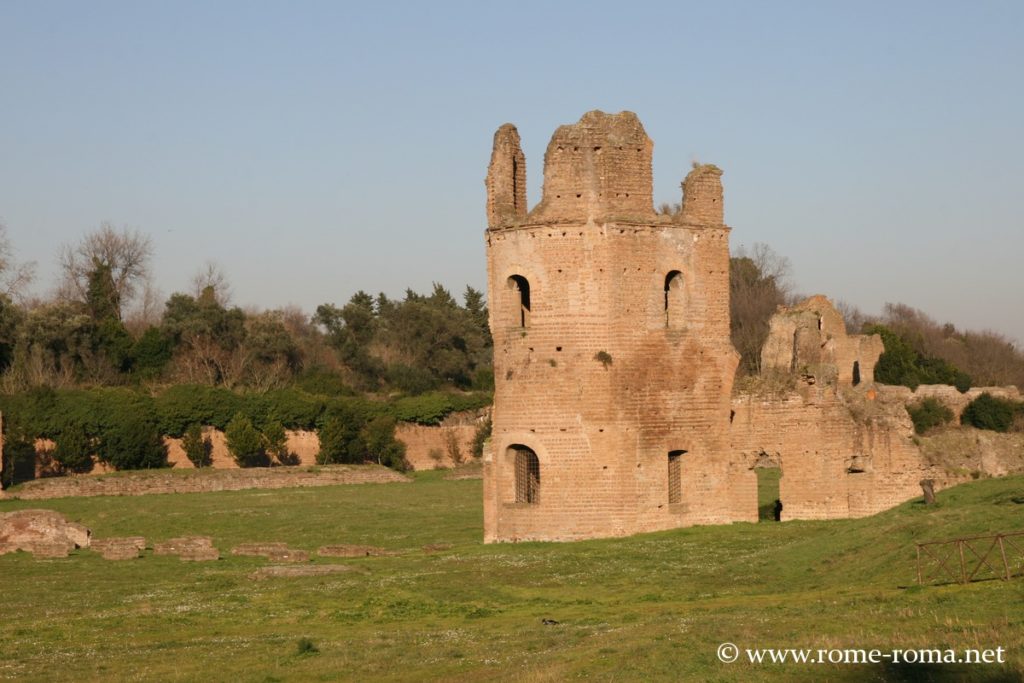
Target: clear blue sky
[(313, 149)]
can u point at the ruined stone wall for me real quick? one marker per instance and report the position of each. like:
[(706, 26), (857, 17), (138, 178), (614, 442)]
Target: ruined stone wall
[(597, 169), (423, 442), (841, 455), (622, 357), (812, 333), (304, 445)]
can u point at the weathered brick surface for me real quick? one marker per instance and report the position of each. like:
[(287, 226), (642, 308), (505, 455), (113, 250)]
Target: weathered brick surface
[(45, 533), (422, 442), (119, 548), (288, 555), (258, 549), (813, 333), (188, 548)]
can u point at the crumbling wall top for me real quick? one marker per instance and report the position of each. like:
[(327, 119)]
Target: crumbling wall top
[(702, 196), (506, 179), (596, 168)]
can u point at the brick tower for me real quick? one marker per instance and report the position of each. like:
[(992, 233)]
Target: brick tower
[(612, 359)]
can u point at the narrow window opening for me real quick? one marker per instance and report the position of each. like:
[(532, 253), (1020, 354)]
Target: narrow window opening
[(675, 477), (527, 473), (856, 372), (673, 301), (521, 304)]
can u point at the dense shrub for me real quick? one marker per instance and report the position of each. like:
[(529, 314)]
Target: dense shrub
[(292, 408), (75, 449), (989, 412), (133, 442), (245, 442), (929, 413), (198, 449), (339, 436), (378, 441), (901, 364), (320, 381), (186, 404), (432, 408)]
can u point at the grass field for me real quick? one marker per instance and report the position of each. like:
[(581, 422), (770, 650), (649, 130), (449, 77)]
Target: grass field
[(651, 607)]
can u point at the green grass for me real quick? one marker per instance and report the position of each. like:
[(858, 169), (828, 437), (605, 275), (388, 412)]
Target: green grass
[(767, 492), (650, 607)]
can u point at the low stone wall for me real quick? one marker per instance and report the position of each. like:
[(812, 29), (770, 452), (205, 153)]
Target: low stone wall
[(197, 481)]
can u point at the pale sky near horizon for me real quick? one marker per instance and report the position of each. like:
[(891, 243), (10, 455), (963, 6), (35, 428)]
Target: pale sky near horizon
[(316, 148)]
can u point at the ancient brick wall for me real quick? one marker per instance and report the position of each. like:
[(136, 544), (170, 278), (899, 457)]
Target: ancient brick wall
[(611, 332), (846, 454), (813, 333), (424, 442)]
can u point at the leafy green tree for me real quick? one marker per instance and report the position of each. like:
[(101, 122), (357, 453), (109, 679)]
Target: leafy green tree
[(378, 437), (758, 285), (275, 441), (151, 352), (901, 364), (133, 443), (75, 448), (245, 442), (198, 448)]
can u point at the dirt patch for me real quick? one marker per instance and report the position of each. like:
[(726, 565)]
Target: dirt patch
[(353, 551), (472, 470), (119, 548), (200, 481), (296, 572)]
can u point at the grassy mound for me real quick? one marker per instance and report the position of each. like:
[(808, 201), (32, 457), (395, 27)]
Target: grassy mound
[(650, 607)]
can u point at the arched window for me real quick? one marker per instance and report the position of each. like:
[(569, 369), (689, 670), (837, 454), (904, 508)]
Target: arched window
[(674, 299), (675, 476), (520, 287), (527, 470)]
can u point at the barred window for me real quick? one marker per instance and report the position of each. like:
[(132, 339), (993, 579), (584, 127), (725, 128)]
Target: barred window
[(527, 468), (675, 476)]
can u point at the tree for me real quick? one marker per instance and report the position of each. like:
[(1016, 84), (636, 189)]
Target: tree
[(758, 285), (133, 442), (198, 449), (126, 253), (275, 442), (74, 448), (15, 277), (378, 437), (211, 279), (244, 442)]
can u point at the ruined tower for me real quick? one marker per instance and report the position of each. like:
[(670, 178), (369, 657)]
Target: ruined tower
[(612, 359)]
